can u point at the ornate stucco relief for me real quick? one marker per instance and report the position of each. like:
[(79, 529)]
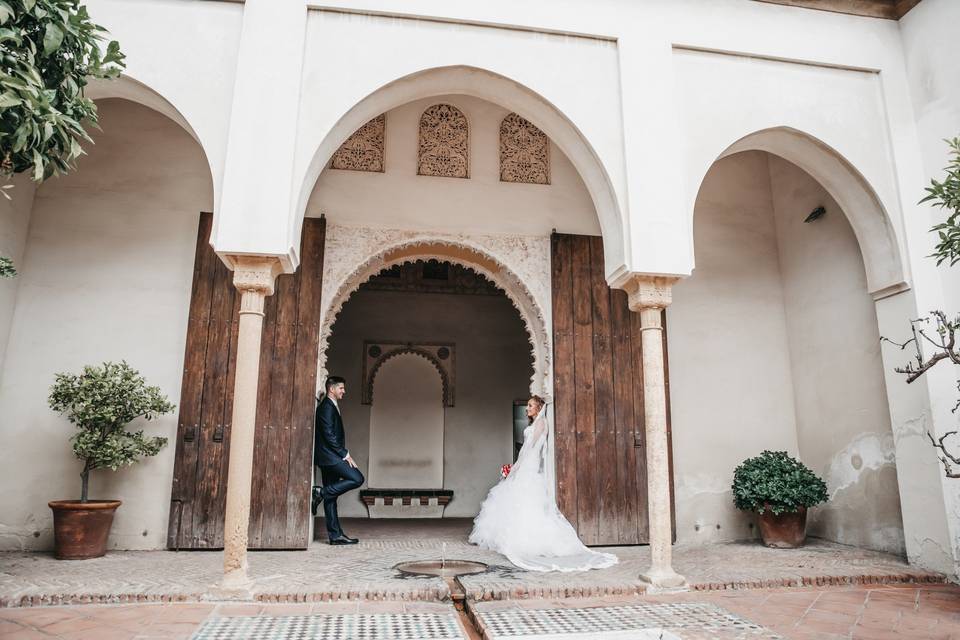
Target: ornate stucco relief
[(363, 151), (444, 143), (520, 265), (524, 152)]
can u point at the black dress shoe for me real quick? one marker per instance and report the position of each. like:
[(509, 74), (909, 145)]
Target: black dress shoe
[(343, 540), (317, 499)]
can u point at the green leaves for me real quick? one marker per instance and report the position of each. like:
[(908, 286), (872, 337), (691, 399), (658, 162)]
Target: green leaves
[(49, 49), (101, 401), (52, 39), (946, 195), (776, 481), (6, 267)]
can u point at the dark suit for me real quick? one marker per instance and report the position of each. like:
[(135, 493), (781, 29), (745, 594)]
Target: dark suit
[(329, 451)]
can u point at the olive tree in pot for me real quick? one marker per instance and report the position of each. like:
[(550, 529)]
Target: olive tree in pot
[(780, 489), (101, 401)]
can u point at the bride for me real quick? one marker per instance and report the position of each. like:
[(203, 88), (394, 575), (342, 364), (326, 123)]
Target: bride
[(520, 519)]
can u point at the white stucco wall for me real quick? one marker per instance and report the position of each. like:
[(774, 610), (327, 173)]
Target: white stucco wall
[(931, 49), (843, 420), (774, 345), (106, 275), (478, 204), (14, 223), (493, 369), (731, 390)]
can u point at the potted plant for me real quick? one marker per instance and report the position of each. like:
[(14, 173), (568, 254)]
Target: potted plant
[(780, 489), (101, 401)]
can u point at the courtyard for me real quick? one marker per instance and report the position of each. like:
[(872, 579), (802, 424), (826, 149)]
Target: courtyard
[(737, 590)]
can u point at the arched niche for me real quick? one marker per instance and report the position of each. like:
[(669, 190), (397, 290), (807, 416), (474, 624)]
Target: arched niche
[(406, 424)]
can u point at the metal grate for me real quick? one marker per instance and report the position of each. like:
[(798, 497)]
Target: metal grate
[(379, 626), (687, 620)]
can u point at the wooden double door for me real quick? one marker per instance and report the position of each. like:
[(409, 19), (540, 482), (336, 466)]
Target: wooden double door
[(598, 398), (283, 449), (600, 455)]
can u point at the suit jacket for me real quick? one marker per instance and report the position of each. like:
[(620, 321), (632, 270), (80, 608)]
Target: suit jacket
[(329, 441)]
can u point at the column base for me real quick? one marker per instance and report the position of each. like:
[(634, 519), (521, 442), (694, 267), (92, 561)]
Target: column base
[(235, 585), (660, 581)]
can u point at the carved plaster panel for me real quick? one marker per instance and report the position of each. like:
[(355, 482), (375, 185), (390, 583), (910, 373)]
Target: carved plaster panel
[(363, 151), (520, 265), (524, 152), (444, 148)]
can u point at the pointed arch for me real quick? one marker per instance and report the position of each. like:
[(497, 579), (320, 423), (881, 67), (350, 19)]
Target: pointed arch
[(882, 255), (498, 89)]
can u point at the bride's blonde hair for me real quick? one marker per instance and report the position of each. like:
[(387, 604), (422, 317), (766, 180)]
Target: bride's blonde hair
[(540, 402)]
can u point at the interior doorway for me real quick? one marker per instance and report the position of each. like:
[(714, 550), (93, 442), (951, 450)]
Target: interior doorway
[(435, 355)]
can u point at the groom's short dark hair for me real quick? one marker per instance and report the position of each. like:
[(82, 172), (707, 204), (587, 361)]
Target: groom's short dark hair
[(333, 381)]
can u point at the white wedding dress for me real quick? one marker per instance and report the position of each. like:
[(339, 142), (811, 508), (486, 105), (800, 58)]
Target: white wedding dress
[(520, 519)]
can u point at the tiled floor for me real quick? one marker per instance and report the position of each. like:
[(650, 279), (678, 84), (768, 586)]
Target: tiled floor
[(862, 613), (874, 613), (365, 571)]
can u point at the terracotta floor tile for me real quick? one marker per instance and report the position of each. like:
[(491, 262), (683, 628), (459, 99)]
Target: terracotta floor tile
[(335, 607), (293, 609), (39, 617), (238, 609), (70, 625), (99, 633), (27, 634)]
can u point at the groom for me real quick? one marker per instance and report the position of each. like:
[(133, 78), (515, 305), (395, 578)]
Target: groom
[(338, 470)]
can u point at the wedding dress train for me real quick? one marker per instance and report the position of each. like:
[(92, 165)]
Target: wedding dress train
[(520, 519)]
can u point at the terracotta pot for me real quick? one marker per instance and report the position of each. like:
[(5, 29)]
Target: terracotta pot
[(785, 531), (81, 529)]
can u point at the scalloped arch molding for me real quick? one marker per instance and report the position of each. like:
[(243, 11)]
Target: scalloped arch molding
[(519, 265)]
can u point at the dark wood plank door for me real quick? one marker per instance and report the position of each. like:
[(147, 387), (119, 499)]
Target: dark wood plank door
[(598, 398), (283, 449)]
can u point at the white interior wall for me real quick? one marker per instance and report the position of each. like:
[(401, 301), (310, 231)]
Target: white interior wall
[(15, 218), (774, 345), (843, 419), (731, 389), (106, 275), (478, 204), (406, 425), (493, 369)]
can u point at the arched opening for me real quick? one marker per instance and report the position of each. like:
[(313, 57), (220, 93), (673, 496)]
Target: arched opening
[(789, 355), (385, 209), (436, 359), (106, 274)]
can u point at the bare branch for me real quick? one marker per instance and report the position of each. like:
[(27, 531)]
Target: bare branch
[(948, 470)]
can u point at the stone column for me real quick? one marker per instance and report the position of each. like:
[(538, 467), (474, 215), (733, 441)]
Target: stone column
[(649, 296), (254, 277)]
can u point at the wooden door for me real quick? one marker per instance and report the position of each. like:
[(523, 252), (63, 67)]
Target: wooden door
[(283, 449), (598, 398)]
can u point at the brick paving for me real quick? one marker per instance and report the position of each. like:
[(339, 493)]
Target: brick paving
[(906, 612), (365, 571)]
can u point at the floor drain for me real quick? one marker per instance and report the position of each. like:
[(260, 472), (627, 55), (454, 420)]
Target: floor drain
[(441, 568)]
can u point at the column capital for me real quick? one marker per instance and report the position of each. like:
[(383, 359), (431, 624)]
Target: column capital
[(649, 291), (255, 273)]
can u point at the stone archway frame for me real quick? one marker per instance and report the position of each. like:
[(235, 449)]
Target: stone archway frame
[(432, 353), (371, 250), (882, 256)]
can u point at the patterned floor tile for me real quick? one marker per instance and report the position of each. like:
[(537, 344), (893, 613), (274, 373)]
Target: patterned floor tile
[(680, 620), (384, 626)]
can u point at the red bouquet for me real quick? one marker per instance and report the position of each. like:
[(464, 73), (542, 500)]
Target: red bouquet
[(505, 470)]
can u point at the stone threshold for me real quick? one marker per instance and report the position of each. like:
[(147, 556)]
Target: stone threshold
[(442, 593)]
